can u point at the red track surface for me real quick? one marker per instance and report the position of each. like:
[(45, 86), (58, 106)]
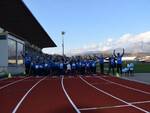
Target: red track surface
[(87, 95), (141, 86), (47, 97), (10, 95), (118, 91), (7, 81)]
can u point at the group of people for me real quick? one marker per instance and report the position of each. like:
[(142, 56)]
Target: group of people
[(114, 61), (77, 65), (58, 65), (129, 69)]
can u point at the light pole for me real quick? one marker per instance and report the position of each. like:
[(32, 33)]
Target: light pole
[(63, 33)]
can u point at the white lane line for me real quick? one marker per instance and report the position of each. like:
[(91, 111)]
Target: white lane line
[(141, 102), (142, 82), (114, 96), (74, 106), (20, 102), (131, 88), (105, 107), (116, 106), (13, 83)]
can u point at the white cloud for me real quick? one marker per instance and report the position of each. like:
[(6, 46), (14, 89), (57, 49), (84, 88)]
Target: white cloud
[(136, 43), (55, 50)]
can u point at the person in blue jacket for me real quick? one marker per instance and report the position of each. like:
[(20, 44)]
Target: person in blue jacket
[(119, 61), (28, 60), (101, 62), (79, 67), (61, 68), (46, 68), (87, 67), (37, 69), (93, 66), (111, 65), (73, 67)]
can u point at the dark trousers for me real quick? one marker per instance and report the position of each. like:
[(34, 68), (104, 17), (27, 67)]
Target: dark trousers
[(119, 68), (37, 71), (82, 70), (46, 71), (93, 70), (102, 68), (33, 71), (61, 72), (87, 70), (111, 67), (27, 68)]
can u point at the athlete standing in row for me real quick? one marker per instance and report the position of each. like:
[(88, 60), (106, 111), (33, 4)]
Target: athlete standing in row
[(101, 62), (112, 64)]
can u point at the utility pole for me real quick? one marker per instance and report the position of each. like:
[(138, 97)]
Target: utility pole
[(63, 33)]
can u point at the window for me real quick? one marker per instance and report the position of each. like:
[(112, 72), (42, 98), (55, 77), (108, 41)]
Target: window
[(12, 54), (20, 51)]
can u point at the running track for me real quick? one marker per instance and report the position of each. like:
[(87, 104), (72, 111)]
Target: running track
[(89, 94)]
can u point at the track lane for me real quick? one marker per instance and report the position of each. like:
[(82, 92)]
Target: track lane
[(14, 81), (10, 96), (124, 86), (9, 80), (83, 96), (23, 98), (145, 106), (137, 85), (71, 102), (47, 97), (118, 91), (103, 87), (114, 110)]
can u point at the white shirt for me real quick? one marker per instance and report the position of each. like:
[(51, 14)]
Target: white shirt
[(68, 67)]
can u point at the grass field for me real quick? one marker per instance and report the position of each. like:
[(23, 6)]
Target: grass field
[(139, 67)]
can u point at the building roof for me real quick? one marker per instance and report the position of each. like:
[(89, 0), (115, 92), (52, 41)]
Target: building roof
[(16, 18)]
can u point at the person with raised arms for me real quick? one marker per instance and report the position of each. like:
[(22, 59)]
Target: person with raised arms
[(118, 57)]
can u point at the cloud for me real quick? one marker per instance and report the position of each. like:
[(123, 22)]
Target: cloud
[(133, 43), (55, 50)]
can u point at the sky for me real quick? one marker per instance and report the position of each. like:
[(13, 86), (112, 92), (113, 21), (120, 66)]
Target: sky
[(92, 24)]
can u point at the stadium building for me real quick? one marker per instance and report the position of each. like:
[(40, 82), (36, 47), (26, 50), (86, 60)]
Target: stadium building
[(19, 31)]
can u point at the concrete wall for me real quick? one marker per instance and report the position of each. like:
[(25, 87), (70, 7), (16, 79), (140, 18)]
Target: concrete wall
[(16, 69)]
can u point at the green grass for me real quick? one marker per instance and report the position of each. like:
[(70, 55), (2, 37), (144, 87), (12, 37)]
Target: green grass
[(139, 67)]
